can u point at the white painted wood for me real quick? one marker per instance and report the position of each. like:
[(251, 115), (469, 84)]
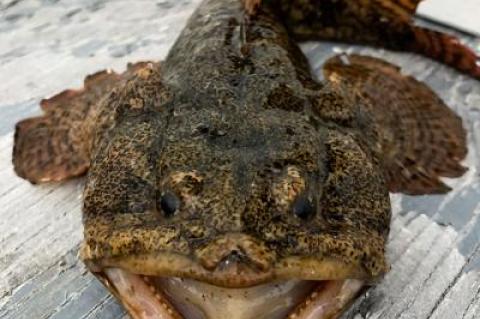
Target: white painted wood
[(47, 46), (461, 14)]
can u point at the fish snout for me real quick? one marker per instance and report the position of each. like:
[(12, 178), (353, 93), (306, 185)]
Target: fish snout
[(236, 254)]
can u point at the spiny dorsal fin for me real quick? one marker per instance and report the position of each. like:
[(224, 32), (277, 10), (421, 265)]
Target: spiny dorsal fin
[(421, 138)]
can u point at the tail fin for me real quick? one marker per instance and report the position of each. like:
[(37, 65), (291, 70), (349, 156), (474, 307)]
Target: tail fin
[(381, 23)]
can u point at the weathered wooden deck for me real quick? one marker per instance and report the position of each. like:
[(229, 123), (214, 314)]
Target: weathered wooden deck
[(49, 45)]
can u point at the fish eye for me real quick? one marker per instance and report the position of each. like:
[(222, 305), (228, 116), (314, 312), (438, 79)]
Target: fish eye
[(169, 203), (303, 207)]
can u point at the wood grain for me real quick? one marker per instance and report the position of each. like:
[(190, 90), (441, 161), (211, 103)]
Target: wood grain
[(47, 46)]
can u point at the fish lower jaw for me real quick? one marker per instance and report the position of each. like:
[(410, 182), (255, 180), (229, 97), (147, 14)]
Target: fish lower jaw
[(149, 297)]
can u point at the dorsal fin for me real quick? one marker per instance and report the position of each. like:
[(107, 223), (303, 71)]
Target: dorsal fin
[(400, 8), (381, 23)]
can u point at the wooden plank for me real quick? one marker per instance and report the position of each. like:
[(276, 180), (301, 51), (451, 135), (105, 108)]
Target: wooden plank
[(434, 245), (462, 15)]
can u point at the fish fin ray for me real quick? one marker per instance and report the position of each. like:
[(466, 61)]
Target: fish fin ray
[(421, 138), (55, 146)]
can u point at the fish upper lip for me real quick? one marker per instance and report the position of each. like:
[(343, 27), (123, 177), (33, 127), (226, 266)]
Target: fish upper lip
[(162, 251), (233, 275)]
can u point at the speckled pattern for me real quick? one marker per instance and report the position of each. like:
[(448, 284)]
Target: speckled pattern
[(235, 172), (232, 136), (446, 271)]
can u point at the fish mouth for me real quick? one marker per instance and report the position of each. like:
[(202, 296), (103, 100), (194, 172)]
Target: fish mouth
[(149, 297), (147, 290), (229, 279), (233, 277)]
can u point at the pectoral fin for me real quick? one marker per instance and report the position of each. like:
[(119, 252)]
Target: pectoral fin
[(421, 138), (56, 145)]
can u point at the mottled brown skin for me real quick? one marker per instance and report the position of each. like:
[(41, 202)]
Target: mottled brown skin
[(238, 131), (230, 164)]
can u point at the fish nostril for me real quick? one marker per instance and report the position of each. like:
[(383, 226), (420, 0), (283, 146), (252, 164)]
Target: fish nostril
[(234, 258), (234, 255)]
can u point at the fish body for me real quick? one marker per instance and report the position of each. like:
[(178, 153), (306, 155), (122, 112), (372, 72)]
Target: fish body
[(229, 171)]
